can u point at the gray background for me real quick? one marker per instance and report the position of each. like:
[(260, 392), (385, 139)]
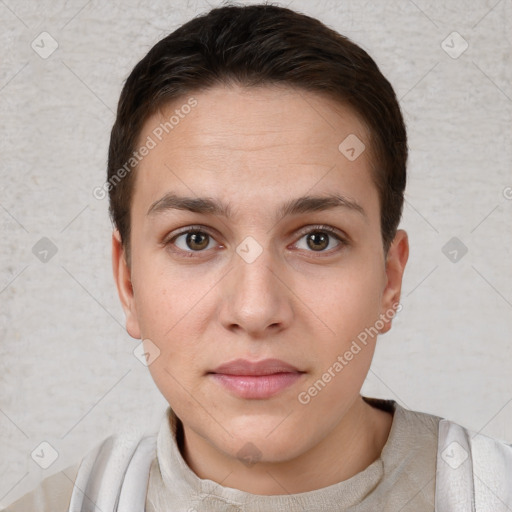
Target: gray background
[(67, 372)]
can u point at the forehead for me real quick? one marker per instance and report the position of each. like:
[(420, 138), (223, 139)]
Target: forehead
[(231, 115), (237, 141)]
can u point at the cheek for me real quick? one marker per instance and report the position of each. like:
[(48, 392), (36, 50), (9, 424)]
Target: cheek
[(165, 297), (175, 371), (347, 301), (171, 312)]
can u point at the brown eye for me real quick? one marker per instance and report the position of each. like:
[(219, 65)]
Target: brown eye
[(320, 239), (317, 241), (192, 241), (197, 240)]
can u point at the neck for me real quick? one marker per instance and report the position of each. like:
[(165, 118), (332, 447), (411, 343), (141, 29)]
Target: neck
[(355, 442)]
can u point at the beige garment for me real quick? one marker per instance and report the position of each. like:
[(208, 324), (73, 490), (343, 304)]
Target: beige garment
[(402, 478), (52, 495)]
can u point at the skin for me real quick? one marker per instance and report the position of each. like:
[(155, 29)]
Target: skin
[(256, 148)]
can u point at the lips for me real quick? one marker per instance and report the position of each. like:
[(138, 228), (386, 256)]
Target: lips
[(256, 380), (265, 367)]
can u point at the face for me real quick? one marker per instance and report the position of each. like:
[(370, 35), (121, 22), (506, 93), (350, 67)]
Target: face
[(285, 263)]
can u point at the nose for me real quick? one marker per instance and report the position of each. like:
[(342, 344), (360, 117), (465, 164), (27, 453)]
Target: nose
[(256, 299)]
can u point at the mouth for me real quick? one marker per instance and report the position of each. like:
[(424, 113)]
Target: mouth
[(256, 380)]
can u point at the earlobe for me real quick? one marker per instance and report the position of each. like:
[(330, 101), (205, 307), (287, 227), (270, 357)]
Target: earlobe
[(122, 277), (396, 260)]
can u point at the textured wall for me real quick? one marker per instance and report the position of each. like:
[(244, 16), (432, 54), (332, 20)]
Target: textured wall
[(67, 372)]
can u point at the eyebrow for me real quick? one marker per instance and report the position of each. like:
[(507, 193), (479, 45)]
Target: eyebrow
[(300, 205)]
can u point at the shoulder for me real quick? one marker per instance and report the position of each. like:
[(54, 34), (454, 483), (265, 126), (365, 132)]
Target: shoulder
[(473, 467), (458, 445), (417, 430), (51, 495), (115, 469), (116, 472)]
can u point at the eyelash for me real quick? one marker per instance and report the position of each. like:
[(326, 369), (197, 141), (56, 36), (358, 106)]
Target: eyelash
[(310, 229)]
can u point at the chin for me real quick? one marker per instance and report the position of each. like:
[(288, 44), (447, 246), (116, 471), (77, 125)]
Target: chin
[(265, 439)]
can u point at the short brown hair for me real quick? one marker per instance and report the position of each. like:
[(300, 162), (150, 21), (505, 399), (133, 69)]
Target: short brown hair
[(258, 45)]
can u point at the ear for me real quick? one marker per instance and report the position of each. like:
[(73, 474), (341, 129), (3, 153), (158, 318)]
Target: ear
[(395, 265), (122, 277)]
